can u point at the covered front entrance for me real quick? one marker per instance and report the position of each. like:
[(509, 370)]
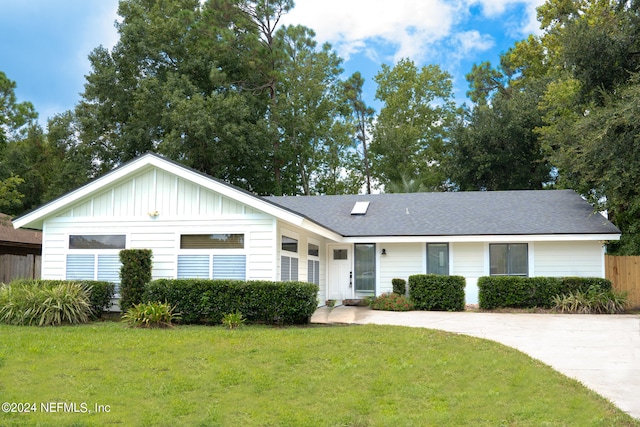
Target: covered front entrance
[(352, 272), (340, 283)]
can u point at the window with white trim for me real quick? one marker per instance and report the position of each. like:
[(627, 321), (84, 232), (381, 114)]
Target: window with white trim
[(438, 258), (95, 257), (289, 259), (313, 263), (212, 256), (509, 259)]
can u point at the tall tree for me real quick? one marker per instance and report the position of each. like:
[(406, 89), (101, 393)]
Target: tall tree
[(409, 135), (363, 120), (494, 145), (589, 129), (16, 118)]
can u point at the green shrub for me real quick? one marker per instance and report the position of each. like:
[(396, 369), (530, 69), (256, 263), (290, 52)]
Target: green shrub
[(150, 315), (399, 286), (135, 273), (529, 292), (391, 302), (437, 292), (594, 301), (233, 320), (44, 303), (100, 295), (206, 301)]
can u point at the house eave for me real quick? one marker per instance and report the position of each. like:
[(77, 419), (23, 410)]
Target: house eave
[(482, 238)]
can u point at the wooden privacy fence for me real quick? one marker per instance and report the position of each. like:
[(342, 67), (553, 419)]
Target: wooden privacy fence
[(624, 272), (19, 266)]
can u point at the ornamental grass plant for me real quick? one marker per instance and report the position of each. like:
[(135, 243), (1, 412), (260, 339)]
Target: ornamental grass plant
[(44, 304)]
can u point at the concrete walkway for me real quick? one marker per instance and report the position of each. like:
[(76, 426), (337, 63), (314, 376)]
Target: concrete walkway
[(600, 351)]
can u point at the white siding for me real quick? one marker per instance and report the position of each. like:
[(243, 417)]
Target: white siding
[(304, 238), (182, 208), (401, 261), (559, 259), (468, 260)]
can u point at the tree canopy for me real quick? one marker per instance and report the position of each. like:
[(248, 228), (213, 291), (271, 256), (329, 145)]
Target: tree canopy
[(223, 87)]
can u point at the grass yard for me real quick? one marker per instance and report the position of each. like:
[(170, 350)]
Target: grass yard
[(299, 376)]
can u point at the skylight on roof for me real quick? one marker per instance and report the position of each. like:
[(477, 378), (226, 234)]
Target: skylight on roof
[(360, 208)]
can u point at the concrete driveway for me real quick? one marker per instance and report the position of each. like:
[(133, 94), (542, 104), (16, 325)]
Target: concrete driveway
[(600, 351)]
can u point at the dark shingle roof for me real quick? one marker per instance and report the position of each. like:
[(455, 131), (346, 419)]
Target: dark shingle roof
[(454, 213)]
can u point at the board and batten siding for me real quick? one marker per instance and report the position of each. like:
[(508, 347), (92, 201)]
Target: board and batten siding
[(573, 258), (153, 208), (401, 261)]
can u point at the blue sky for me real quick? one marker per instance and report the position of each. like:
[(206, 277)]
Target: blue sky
[(44, 44)]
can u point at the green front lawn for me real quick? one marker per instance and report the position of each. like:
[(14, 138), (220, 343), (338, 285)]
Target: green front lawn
[(298, 376)]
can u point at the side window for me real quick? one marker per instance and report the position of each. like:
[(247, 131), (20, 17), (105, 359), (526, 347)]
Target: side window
[(313, 264), (289, 259)]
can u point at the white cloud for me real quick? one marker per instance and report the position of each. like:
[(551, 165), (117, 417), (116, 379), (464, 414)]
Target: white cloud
[(473, 40), (406, 25), (409, 28)]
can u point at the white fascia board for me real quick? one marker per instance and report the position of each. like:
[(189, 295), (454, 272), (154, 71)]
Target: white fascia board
[(320, 230), (484, 238)]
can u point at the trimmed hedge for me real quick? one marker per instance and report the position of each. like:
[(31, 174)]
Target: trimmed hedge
[(100, 292), (207, 301), (399, 286), (530, 292), (135, 273), (437, 292)]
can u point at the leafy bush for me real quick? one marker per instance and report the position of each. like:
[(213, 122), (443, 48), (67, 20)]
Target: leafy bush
[(135, 273), (100, 295), (529, 292), (44, 304), (594, 301), (391, 302), (437, 292), (206, 301), (150, 315), (233, 320), (399, 286)]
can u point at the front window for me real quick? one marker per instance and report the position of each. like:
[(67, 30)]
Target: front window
[(93, 241), (365, 268), (438, 258), (212, 256), (212, 241), (509, 259), (95, 257)]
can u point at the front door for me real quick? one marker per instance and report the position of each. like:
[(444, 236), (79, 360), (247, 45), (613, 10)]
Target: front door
[(340, 284)]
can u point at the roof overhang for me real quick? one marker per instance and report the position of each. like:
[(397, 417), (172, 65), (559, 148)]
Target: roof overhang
[(484, 238)]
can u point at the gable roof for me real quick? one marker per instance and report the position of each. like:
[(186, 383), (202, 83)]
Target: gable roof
[(527, 212), (35, 218), (543, 212)]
